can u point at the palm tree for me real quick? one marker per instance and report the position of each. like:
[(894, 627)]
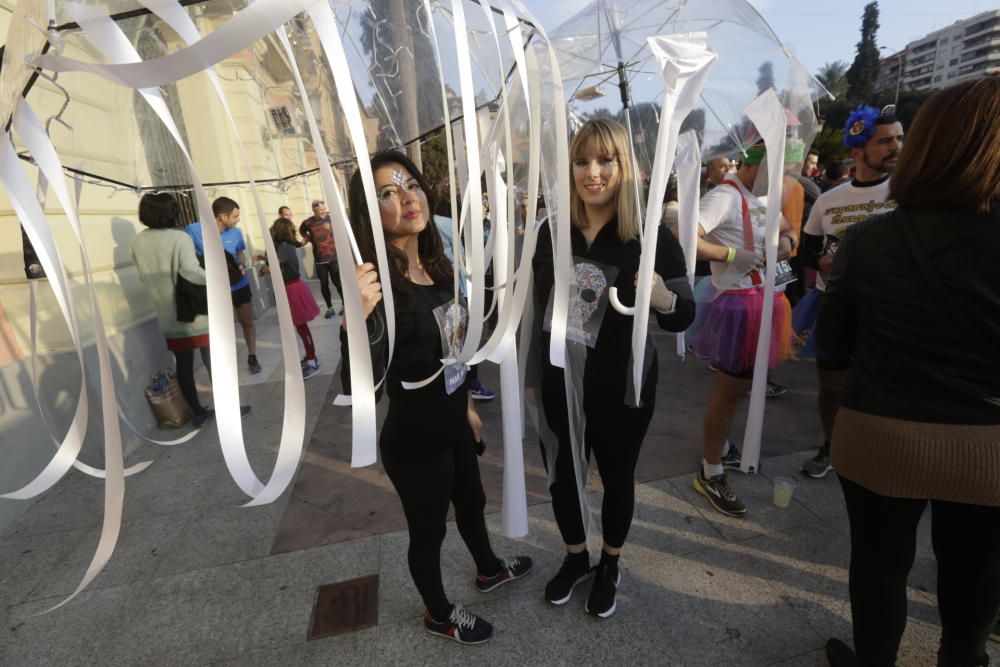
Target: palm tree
[(833, 76)]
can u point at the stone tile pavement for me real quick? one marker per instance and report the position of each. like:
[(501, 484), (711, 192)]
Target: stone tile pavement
[(196, 579)]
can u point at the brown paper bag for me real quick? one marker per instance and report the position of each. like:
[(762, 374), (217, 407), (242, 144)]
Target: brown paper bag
[(169, 406)]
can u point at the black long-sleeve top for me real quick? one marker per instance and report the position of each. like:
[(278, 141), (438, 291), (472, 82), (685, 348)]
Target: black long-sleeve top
[(911, 359), (609, 363), (288, 257), (420, 423)]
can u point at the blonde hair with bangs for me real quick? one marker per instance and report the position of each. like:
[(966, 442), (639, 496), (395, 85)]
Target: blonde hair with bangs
[(603, 136)]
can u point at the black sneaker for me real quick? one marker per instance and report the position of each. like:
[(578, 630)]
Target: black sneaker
[(839, 654), (575, 569), (200, 418), (819, 465), (463, 627), (732, 459), (253, 364), (717, 491), (774, 390), (603, 594), (510, 569)]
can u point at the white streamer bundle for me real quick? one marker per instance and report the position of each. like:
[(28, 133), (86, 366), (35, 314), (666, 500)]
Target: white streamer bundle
[(685, 60), (767, 114), (688, 164)]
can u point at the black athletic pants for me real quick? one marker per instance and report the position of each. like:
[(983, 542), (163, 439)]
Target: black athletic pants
[(185, 375), (966, 541), (328, 272), (614, 433), (426, 489)]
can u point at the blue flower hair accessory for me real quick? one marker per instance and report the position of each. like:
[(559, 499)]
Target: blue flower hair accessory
[(860, 126)]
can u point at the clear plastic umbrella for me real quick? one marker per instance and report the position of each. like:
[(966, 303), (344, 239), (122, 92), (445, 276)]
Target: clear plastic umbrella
[(604, 46)]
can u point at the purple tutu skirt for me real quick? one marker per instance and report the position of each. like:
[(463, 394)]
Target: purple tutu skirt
[(301, 302), (729, 327)]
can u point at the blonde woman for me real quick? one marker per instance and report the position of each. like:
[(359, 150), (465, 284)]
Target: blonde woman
[(605, 240)]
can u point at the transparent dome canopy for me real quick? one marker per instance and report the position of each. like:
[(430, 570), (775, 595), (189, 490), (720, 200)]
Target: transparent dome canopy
[(609, 37), (107, 130)]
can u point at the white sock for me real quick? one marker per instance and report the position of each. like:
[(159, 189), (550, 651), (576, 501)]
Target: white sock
[(710, 470), (725, 447)]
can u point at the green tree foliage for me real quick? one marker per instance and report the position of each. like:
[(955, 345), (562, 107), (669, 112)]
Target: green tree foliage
[(863, 73), (833, 76), (765, 76)]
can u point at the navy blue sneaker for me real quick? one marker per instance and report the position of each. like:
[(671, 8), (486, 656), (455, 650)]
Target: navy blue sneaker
[(480, 392), (511, 569), (463, 627)]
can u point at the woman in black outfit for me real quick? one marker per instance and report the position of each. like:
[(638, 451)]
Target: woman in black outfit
[(605, 239), (914, 303), (429, 436)]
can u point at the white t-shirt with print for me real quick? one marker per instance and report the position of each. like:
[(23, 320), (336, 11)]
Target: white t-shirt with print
[(836, 210), (720, 214)]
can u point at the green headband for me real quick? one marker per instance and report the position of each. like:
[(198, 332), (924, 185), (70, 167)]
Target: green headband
[(754, 155), (794, 152)]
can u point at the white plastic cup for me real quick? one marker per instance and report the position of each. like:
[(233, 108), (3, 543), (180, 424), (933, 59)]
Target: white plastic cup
[(784, 487)]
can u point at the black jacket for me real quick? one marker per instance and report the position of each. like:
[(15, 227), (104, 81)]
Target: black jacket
[(912, 359), (608, 368)]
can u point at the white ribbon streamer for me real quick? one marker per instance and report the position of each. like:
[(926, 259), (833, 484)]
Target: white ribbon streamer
[(329, 37), (245, 28), (30, 130), (79, 465), (294, 423), (32, 218), (685, 60), (474, 196), (767, 114), (363, 420), (222, 338), (688, 167)]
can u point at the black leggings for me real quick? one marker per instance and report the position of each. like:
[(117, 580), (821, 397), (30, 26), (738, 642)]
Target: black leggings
[(185, 375), (426, 489), (326, 273), (966, 541), (614, 433)]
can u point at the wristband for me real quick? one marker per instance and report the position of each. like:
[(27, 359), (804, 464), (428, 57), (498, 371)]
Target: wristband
[(731, 255)]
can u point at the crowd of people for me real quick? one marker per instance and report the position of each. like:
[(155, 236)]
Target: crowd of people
[(898, 301)]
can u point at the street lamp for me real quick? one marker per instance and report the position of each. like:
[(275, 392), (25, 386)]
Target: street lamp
[(899, 72)]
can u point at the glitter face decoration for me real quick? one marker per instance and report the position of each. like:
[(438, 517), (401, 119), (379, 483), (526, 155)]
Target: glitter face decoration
[(591, 283), (398, 178)]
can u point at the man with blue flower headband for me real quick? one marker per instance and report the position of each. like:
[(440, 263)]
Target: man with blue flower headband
[(874, 139)]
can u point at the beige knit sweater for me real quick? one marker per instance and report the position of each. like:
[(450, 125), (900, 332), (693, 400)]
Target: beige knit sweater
[(905, 459), (160, 255)]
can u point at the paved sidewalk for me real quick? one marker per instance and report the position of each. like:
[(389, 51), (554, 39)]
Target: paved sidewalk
[(197, 580)]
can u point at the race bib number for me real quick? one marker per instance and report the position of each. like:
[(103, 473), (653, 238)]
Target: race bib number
[(453, 322), (784, 274)]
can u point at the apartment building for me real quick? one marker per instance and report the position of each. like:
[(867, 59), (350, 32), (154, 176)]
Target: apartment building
[(964, 50)]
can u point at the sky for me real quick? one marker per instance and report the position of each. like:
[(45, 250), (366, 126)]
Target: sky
[(822, 33)]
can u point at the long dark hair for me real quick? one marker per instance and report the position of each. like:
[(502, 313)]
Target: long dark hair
[(429, 245)]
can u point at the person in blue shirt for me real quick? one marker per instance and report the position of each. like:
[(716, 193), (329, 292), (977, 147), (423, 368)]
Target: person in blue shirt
[(227, 216)]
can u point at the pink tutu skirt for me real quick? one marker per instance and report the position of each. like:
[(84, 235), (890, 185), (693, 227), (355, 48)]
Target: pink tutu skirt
[(301, 302), (728, 329)]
